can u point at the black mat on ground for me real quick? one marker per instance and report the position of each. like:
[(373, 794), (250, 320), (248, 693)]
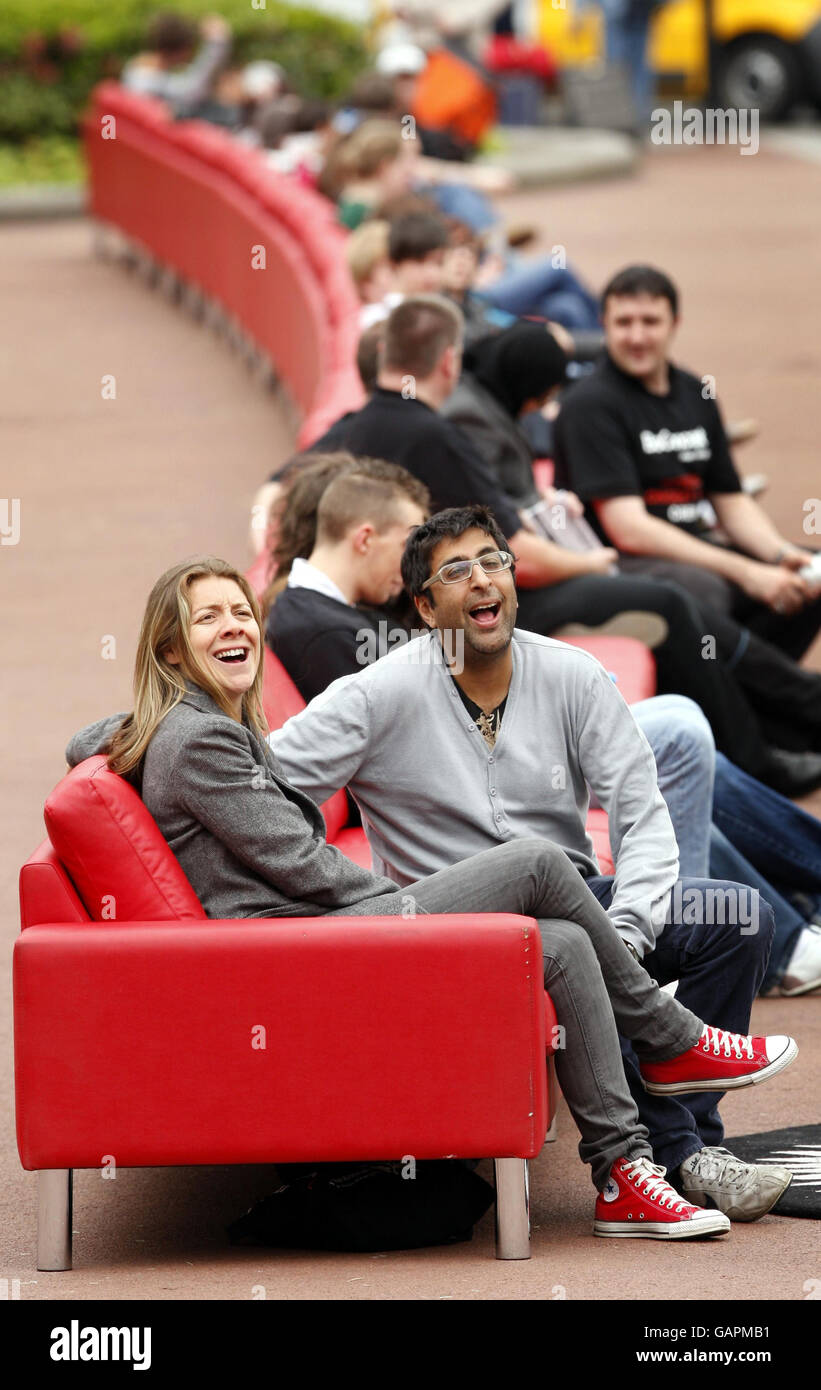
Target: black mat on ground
[(798, 1149)]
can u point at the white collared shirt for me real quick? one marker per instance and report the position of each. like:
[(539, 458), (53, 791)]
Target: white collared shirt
[(304, 575)]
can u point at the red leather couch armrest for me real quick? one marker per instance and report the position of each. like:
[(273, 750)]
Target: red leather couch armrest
[(46, 891)]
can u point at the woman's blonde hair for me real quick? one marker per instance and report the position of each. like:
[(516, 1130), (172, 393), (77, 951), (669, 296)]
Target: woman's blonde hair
[(159, 685), (371, 145), (366, 248)]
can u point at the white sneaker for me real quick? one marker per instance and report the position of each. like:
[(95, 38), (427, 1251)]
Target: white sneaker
[(646, 627), (803, 973), (743, 1191)]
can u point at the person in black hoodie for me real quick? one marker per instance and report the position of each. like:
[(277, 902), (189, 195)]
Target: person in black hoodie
[(505, 377)]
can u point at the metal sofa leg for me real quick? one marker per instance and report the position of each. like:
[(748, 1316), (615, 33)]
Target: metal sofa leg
[(512, 1209), (54, 1218), (553, 1100)]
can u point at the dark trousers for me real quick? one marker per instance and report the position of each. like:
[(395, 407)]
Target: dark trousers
[(760, 648), (719, 968), (681, 665), (791, 633)]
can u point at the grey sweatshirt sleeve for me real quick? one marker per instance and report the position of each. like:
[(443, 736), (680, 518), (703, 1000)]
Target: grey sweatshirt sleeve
[(322, 747), (618, 764), (94, 738), (216, 778)]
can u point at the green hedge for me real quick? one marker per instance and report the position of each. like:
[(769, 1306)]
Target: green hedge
[(53, 52)]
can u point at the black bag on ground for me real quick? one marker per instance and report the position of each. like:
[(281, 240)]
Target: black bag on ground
[(368, 1207)]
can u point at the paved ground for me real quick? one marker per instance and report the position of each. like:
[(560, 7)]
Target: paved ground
[(112, 491)]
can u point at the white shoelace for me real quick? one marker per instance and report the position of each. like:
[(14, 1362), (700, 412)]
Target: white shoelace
[(717, 1040), (719, 1165), (649, 1178)]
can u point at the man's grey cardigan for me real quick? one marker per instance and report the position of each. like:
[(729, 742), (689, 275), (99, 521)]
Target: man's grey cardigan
[(432, 793), (250, 844)]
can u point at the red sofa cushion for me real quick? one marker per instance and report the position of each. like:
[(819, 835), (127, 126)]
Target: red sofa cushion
[(113, 850), (280, 697)]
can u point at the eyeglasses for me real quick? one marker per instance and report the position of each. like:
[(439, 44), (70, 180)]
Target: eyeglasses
[(458, 570)]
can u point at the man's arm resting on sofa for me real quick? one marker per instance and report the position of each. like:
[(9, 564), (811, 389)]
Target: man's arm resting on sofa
[(321, 748)]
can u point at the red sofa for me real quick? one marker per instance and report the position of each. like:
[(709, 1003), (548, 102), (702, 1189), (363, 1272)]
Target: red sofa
[(149, 1035), (207, 209)]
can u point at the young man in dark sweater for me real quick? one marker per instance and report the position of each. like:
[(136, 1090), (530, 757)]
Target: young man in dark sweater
[(325, 623)]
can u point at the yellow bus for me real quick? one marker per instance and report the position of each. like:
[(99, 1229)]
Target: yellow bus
[(766, 53)]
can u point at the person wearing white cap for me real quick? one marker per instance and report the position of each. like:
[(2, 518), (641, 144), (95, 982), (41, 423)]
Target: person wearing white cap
[(461, 25)]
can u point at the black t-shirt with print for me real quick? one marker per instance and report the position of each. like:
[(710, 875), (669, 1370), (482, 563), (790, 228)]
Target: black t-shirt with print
[(614, 438)]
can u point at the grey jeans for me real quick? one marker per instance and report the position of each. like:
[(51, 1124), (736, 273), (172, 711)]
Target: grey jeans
[(596, 985)]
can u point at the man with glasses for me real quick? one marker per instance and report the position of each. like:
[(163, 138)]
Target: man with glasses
[(446, 762)]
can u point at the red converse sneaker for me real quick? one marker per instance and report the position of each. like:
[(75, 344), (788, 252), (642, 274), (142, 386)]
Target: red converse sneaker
[(638, 1202), (720, 1062)]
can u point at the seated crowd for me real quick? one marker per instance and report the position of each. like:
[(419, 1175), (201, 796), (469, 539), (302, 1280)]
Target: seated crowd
[(422, 565)]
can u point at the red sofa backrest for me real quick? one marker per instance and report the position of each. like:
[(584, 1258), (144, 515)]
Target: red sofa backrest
[(280, 700), (113, 850), (625, 658), (280, 697), (201, 203)]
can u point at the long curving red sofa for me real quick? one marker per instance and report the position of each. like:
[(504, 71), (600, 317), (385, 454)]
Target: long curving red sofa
[(264, 248)]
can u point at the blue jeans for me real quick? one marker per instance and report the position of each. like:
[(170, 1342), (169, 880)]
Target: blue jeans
[(684, 750), (719, 968), (469, 205), (778, 845), (730, 826), (546, 291), (627, 47)]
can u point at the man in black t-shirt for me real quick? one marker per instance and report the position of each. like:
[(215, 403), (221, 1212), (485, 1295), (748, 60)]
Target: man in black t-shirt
[(643, 444)]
